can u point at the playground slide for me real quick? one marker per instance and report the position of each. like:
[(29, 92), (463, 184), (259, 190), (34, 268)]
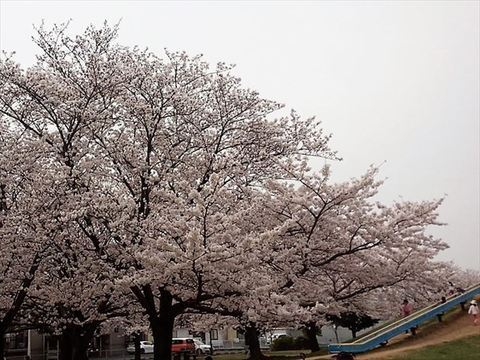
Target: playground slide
[(383, 334)]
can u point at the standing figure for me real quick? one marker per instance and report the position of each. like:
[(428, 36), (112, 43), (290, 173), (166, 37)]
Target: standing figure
[(407, 309), (473, 310), (451, 289)]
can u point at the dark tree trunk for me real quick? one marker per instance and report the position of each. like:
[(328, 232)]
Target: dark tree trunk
[(211, 345), (311, 330), (2, 343), (74, 342), (162, 328), (251, 338), (80, 347), (136, 341), (83, 339), (65, 346), (354, 333), (161, 321)]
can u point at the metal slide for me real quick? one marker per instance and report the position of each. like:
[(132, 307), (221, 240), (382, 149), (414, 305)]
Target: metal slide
[(383, 334)]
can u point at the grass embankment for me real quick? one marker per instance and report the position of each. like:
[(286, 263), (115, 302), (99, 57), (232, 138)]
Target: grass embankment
[(425, 330), (465, 349), (427, 326), (455, 338)]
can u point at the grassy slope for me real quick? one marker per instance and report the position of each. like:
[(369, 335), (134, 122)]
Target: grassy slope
[(465, 349), (426, 330)]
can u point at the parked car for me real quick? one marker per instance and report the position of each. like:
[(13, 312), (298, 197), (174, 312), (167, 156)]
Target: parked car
[(93, 350), (278, 336), (146, 347), (185, 345), (201, 348)]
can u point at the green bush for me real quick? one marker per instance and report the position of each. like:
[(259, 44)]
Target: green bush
[(289, 343), (283, 343), (300, 343)]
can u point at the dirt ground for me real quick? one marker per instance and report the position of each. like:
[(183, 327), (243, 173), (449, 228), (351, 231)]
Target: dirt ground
[(461, 326)]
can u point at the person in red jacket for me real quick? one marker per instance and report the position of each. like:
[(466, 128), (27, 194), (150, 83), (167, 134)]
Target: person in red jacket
[(407, 309)]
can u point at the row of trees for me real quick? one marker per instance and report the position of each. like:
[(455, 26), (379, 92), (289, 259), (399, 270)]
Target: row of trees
[(138, 190)]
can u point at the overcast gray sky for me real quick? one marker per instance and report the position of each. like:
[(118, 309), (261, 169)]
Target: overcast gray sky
[(396, 82)]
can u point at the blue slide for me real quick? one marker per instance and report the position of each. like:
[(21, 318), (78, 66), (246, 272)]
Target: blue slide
[(383, 334)]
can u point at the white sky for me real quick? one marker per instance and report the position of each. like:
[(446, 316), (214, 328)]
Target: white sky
[(395, 82)]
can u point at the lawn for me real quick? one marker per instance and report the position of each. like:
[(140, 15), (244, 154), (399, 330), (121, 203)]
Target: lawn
[(465, 349), (275, 355)]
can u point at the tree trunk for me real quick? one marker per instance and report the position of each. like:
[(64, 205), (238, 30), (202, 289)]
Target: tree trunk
[(2, 344), (311, 330), (136, 341), (65, 346), (162, 328), (354, 333), (84, 337), (80, 347), (210, 339), (74, 342), (251, 338)]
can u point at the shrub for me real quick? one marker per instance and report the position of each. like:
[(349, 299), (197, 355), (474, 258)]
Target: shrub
[(283, 343), (300, 343), (289, 343)]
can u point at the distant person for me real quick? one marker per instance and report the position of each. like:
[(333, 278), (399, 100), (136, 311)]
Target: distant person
[(473, 310), (407, 308), (451, 289), (443, 301)]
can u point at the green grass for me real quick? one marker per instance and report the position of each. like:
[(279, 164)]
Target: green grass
[(465, 349), (236, 356), (274, 355)]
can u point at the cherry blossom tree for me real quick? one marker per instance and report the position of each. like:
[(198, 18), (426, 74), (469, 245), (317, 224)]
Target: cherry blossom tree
[(353, 321), (24, 230), (52, 103), (158, 158), (346, 244), (324, 246), (333, 244), (170, 183), (75, 296)]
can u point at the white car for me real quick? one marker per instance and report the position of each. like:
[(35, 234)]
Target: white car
[(146, 347), (201, 348)]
